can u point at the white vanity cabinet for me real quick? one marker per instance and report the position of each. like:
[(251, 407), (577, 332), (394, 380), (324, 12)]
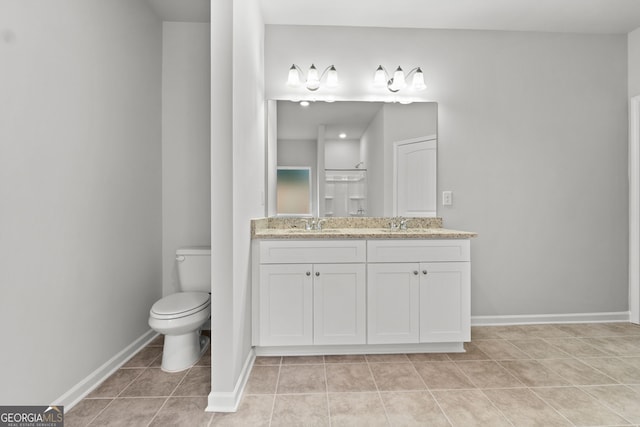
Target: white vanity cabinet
[(310, 292), (418, 291)]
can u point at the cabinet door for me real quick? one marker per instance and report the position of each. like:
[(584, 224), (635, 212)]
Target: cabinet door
[(286, 304), (445, 302), (392, 303), (339, 304)]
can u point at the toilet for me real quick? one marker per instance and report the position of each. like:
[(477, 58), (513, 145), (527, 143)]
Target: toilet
[(180, 316)]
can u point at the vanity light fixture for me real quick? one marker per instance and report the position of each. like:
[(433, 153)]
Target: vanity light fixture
[(399, 80), (313, 80)]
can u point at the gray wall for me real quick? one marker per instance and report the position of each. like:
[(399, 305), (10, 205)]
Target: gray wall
[(532, 140), (634, 62), (186, 136), (80, 187)]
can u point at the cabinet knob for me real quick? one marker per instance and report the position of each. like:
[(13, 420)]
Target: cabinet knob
[(308, 273), (424, 271), (415, 272), (317, 273)]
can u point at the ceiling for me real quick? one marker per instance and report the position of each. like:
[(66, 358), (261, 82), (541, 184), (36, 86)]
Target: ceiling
[(569, 16)]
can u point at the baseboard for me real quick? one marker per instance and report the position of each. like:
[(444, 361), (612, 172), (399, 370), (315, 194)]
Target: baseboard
[(229, 401), (531, 319), (84, 387)]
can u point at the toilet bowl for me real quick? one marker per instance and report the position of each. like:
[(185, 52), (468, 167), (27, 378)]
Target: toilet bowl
[(180, 316)]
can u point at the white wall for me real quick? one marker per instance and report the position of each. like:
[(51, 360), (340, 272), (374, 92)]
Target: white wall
[(532, 140), (633, 41), (237, 186), (80, 177), (341, 153), (301, 153), (186, 136)]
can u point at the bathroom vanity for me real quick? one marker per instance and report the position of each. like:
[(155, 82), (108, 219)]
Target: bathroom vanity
[(358, 286)]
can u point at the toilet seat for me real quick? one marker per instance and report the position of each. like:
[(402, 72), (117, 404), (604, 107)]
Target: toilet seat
[(181, 304)]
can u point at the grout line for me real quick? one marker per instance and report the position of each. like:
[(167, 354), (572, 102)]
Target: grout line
[(275, 392), (384, 407)]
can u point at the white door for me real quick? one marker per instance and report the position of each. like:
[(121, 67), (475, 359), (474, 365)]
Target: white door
[(286, 304), (392, 303), (415, 172), (445, 302), (339, 304)]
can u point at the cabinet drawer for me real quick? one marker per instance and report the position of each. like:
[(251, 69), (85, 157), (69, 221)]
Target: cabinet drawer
[(418, 250), (312, 251)]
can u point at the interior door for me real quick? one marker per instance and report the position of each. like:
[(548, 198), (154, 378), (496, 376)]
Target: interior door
[(415, 178)]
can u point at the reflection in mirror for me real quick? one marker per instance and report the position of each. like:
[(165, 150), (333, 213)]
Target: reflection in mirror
[(294, 191), (350, 149)]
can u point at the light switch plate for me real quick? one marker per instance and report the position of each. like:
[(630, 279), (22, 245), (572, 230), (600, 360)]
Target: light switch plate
[(447, 198)]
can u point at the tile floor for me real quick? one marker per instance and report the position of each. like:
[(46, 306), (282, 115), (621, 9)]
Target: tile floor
[(534, 375)]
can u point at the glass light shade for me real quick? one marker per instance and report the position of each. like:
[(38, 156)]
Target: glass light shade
[(313, 80), (418, 80), (332, 77), (398, 79), (294, 77), (380, 77)]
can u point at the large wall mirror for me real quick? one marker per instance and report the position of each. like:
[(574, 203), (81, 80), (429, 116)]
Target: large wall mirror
[(364, 158)]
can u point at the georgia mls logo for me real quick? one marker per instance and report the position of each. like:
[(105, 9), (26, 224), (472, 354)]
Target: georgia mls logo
[(31, 416)]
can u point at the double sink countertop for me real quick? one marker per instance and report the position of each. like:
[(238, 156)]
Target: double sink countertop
[(353, 228)]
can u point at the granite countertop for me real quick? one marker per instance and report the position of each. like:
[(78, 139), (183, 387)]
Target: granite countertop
[(354, 228)]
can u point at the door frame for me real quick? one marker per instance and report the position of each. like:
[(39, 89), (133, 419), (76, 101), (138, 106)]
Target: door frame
[(634, 209)]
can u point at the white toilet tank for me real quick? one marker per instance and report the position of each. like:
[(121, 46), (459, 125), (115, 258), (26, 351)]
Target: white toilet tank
[(194, 268)]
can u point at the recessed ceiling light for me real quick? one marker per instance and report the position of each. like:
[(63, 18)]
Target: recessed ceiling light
[(304, 103), (342, 135)]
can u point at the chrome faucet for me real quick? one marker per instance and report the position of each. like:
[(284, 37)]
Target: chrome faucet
[(398, 223), (313, 224)]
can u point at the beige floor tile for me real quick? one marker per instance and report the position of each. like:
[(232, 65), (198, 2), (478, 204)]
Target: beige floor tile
[(616, 368), (157, 341), (484, 332), (144, 357), (428, 357), (523, 408), (539, 349), (356, 409), (501, 350), (622, 400), (263, 380), (183, 411), (523, 332), (153, 382), (619, 346), (345, 358), (302, 379), (488, 374), (117, 382), (443, 375), (301, 410), (586, 329), (387, 358), (129, 412), (633, 360), (303, 360), (353, 377), (576, 372), (468, 408), (267, 360), (254, 411), (472, 352), (413, 408), (576, 347), (533, 374), (578, 407), (396, 376), (84, 412), (197, 382)]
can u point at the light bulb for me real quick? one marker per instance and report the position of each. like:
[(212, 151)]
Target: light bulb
[(313, 80), (398, 79), (294, 77), (418, 80), (342, 135), (380, 77), (332, 77)]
